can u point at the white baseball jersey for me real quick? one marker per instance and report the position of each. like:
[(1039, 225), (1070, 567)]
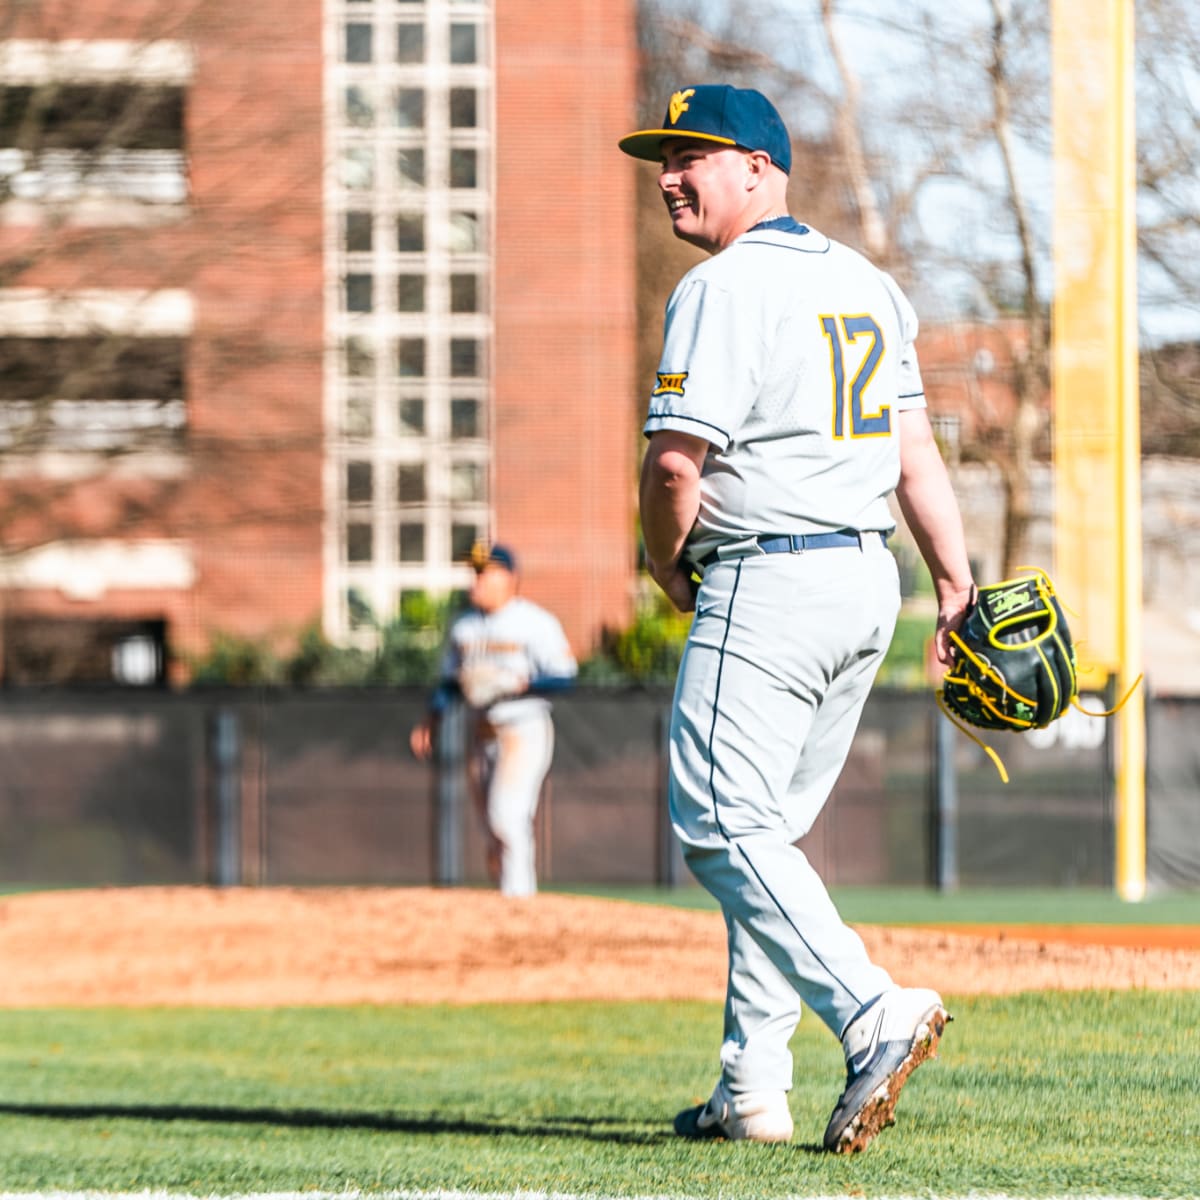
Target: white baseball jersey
[(793, 355), (520, 639)]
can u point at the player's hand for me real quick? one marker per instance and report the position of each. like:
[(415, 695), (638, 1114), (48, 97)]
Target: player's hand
[(420, 741), (952, 608), (678, 584)]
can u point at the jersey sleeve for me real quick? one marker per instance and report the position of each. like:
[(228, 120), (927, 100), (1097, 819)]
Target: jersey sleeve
[(550, 654), (910, 390), (711, 364), (447, 688)]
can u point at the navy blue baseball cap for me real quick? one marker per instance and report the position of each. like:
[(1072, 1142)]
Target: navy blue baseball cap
[(716, 112), (482, 555)]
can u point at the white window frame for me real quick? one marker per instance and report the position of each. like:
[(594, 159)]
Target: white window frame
[(379, 438)]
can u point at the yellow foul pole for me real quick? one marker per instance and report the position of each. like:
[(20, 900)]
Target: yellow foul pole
[(1097, 441)]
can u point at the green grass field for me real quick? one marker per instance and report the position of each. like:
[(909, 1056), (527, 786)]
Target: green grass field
[(983, 906), (1036, 1095)]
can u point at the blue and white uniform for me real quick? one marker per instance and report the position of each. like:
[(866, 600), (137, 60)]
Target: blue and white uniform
[(793, 356), (505, 664)]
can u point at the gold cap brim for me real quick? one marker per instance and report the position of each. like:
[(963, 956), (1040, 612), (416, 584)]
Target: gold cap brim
[(647, 143)]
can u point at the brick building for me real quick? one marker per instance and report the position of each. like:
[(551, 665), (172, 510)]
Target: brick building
[(297, 300)]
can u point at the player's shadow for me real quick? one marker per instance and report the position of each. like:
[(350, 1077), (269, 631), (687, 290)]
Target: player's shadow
[(593, 1128)]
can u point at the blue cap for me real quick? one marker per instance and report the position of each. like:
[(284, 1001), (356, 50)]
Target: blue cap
[(482, 555), (716, 112)]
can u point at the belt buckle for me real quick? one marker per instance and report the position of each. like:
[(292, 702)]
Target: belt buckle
[(797, 543)]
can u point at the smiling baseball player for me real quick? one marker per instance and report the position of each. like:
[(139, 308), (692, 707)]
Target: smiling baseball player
[(788, 406)]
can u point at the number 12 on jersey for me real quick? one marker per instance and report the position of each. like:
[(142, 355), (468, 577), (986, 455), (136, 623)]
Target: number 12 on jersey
[(844, 333)]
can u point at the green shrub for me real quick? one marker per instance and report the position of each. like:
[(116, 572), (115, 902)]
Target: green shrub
[(904, 664), (647, 651), (238, 662), (408, 651)]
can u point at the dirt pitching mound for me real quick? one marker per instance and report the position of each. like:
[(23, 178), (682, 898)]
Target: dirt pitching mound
[(288, 946)]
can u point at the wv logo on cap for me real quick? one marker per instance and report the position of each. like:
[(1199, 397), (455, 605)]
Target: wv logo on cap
[(679, 104)]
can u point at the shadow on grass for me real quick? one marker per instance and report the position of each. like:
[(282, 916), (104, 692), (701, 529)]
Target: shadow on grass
[(596, 1128)]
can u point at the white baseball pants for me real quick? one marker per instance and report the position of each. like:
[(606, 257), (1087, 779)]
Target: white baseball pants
[(781, 656), (513, 765)]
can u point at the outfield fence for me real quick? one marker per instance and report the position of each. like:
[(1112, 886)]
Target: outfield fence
[(319, 788)]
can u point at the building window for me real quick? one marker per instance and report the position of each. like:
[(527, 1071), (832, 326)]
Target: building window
[(410, 170), (360, 358), (410, 417), (463, 536), (410, 357), (358, 609), (410, 108), (408, 306), (464, 293), (465, 358), (358, 43), (358, 168), (360, 110), (359, 291), (466, 233), (410, 43), (97, 392), (410, 293), (359, 234), (359, 483), (464, 167), (467, 483), (462, 108), (46, 650), (464, 419), (410, 483), (411, 544), (358, 542), (359, 418), (410, 233), (72, 140), (92, 117), (463, 43)]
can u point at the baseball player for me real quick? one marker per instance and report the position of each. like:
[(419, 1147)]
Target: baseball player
[(788, 405), (503, 656)]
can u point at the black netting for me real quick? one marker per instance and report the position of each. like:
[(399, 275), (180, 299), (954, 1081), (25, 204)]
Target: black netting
[(320, 788), (1173, 793)]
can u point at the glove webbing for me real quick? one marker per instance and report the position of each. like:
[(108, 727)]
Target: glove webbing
[(977, 693), (989, 671)]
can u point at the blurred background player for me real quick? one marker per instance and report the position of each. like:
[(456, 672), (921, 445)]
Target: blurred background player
[(503, 655), (788, 407)]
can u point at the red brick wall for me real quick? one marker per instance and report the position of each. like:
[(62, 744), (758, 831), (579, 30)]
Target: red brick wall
[(249, 252), (565, 324)]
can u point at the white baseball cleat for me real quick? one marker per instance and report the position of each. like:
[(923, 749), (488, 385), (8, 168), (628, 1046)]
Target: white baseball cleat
[(884, 1043), (738, 1116)]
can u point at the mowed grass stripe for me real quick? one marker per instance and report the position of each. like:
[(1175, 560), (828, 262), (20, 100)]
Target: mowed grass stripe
[(457, 1195), (1035, 1096)]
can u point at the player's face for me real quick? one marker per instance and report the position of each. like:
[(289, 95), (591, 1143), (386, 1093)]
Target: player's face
[(493, 588), (704, 186)]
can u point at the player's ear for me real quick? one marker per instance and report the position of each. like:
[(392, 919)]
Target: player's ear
[(758, 164)]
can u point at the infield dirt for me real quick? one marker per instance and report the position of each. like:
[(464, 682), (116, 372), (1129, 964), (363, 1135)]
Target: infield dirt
[(288, 946)]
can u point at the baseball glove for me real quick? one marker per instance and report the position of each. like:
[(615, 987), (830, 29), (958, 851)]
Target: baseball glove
[(483, 683), (1015, 665)]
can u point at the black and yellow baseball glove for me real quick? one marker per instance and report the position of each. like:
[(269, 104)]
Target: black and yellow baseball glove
[(1015, 665)]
